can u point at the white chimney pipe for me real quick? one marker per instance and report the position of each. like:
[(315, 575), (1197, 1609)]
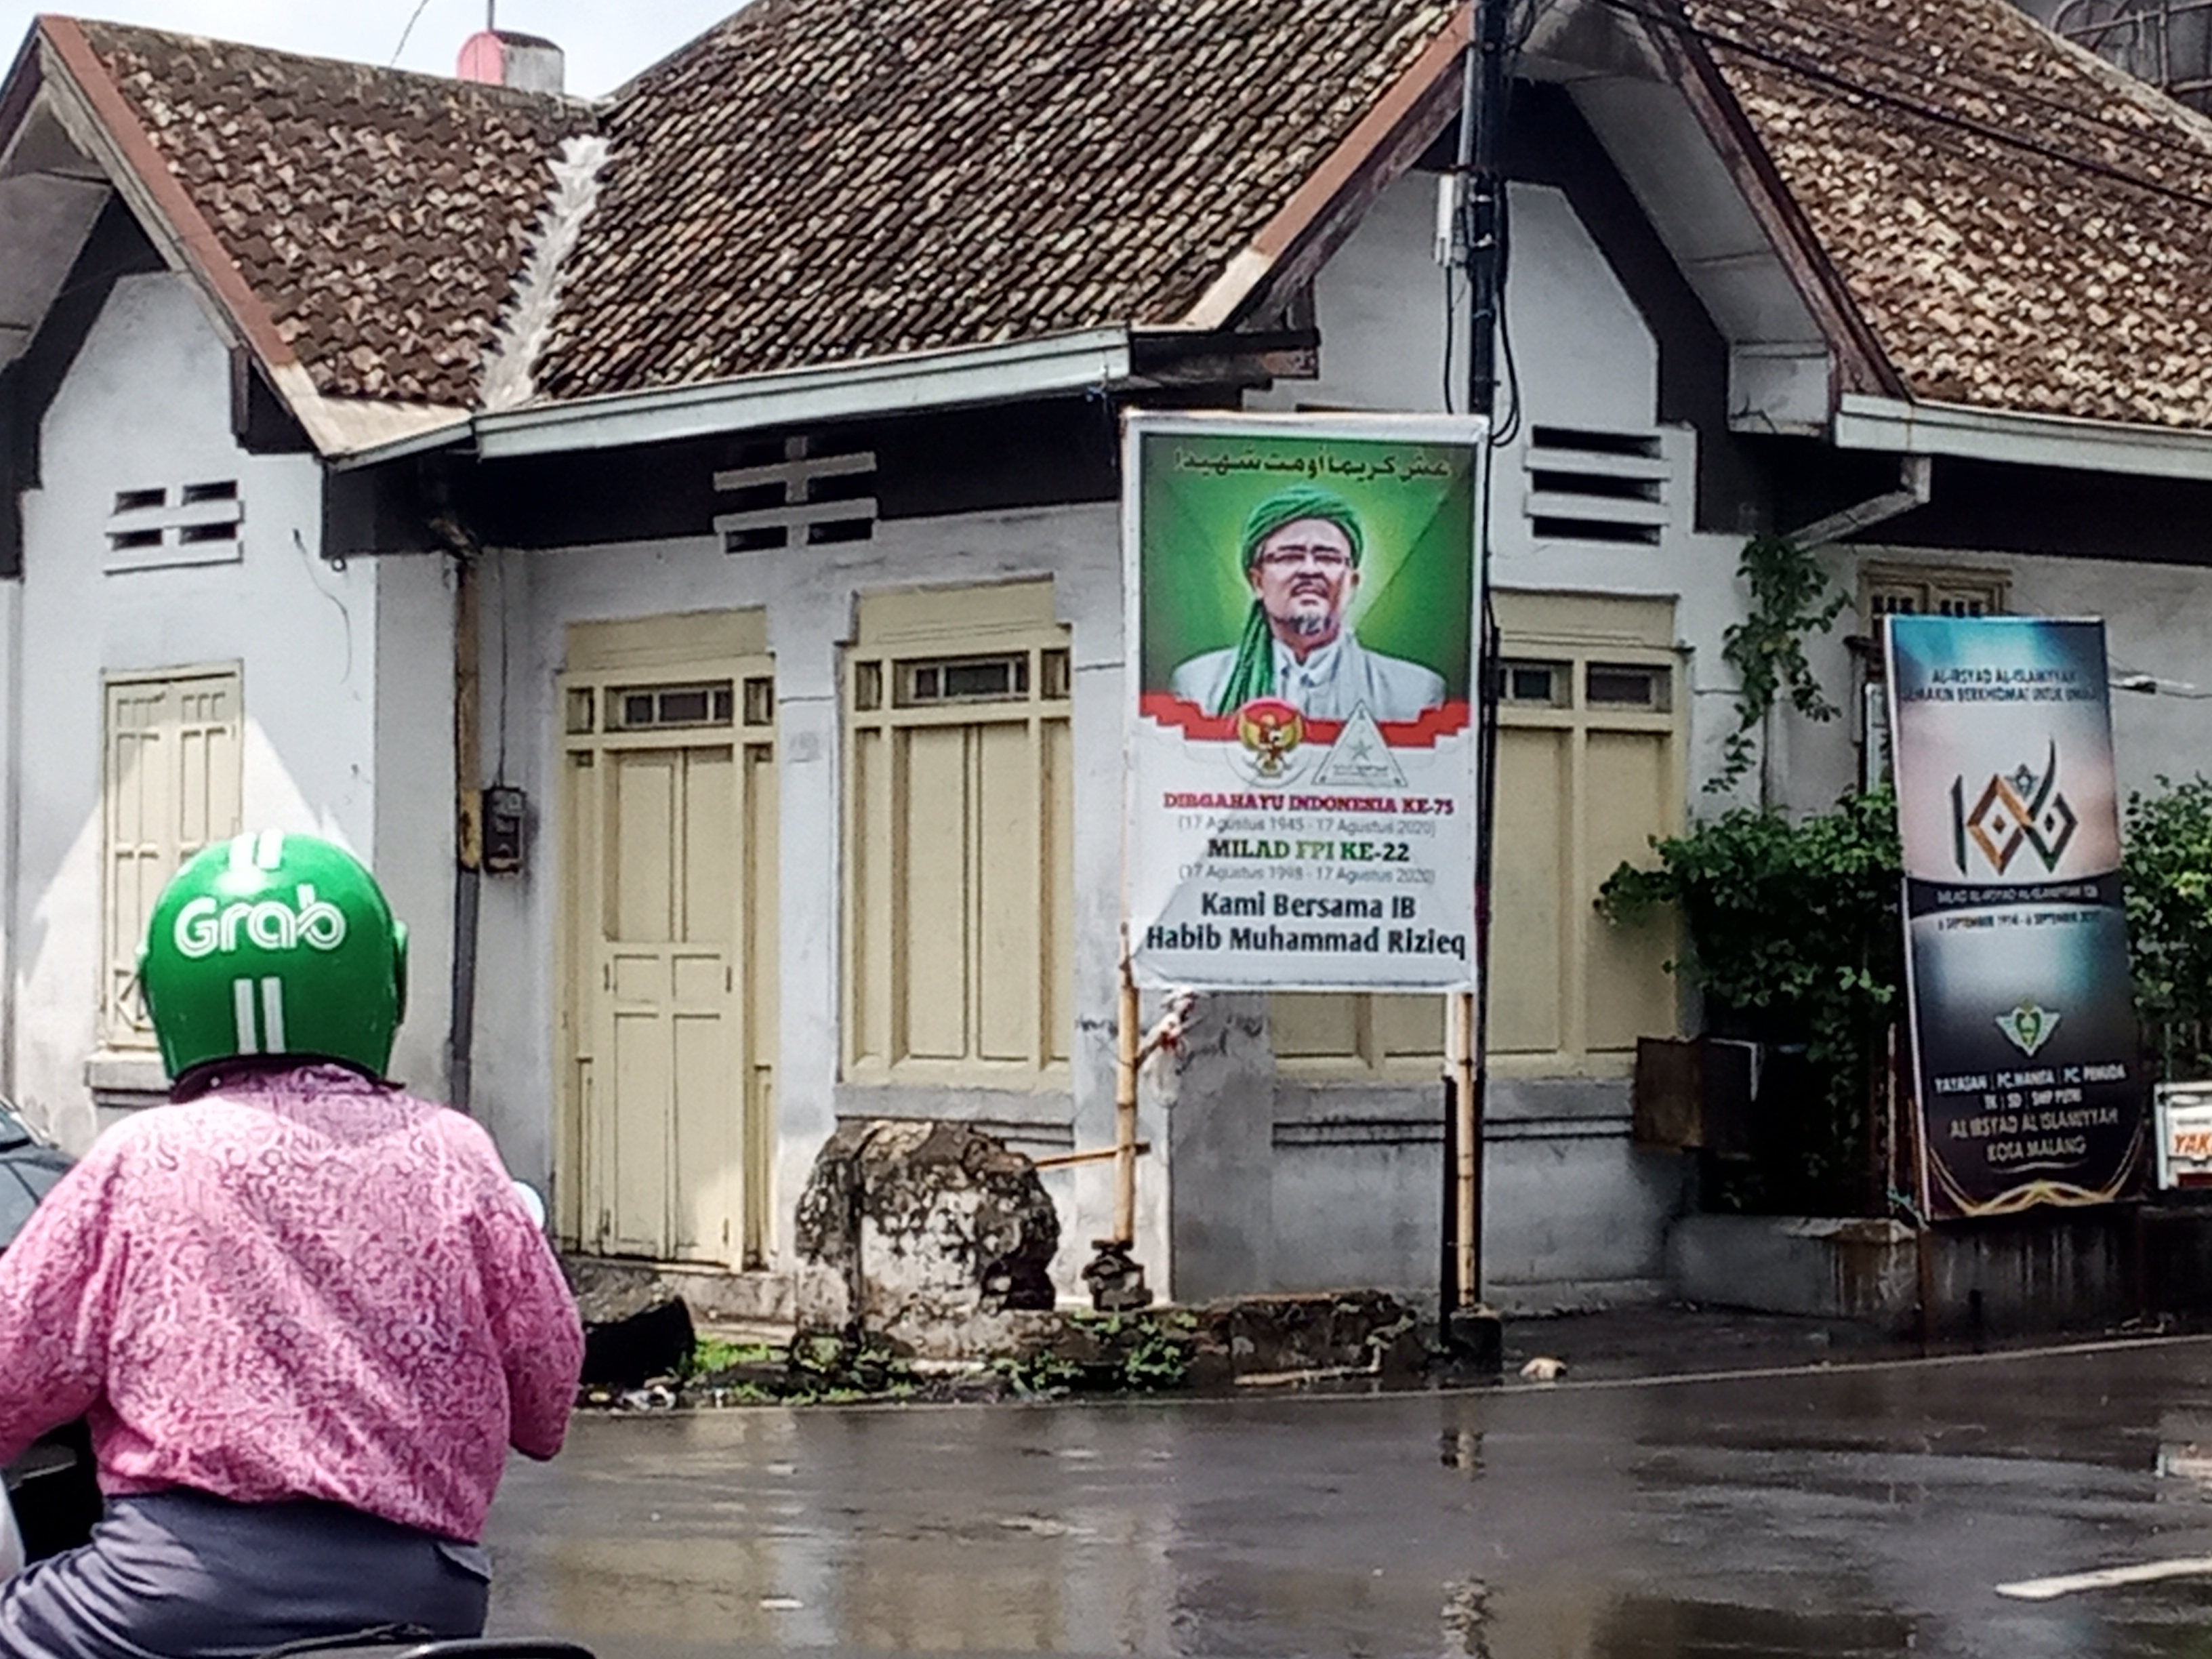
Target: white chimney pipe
[(501, 58)]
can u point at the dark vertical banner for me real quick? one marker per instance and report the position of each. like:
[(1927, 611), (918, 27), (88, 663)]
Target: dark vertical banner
[(2024, 1035)]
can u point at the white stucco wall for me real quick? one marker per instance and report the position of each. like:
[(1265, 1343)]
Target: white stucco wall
[(1258, 1183), (1585, 359), (2158, 620), (1575, 1216), (148, 403), (809, 597), (413, 841), (1223, 1209)]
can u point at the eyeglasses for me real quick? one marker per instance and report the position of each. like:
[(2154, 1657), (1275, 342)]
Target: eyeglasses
[(1322, 558)]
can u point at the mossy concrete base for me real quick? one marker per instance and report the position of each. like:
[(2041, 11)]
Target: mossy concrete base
[(2043, 1272), (1237, 1341)]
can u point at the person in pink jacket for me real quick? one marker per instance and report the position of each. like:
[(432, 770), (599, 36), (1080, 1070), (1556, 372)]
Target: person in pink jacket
[(304, 1314)]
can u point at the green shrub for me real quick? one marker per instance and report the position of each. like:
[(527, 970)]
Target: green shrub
[(2167, 871), (1792, 932), (1146, 1352), (1042, 1375), (1155, 1349)]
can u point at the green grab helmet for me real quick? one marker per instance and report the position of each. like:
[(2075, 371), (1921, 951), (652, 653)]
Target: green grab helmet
[(274, 943)]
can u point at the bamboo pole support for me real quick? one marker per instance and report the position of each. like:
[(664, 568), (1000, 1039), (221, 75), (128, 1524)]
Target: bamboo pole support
[(1096, 1155), (1125, 1107), (1467, 1199)]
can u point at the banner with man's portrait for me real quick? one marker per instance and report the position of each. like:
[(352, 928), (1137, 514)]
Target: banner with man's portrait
[(1302, 748), (2024, 1035)]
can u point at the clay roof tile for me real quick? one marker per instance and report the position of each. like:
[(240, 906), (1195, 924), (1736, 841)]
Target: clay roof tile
[(2013, 218), (300, 164), (817, 180)]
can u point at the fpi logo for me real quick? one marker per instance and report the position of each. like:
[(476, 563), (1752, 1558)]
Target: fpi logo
[(2024, 810), (203, 927)]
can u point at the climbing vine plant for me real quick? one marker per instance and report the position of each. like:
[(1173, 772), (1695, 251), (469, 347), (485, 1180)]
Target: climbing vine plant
[(1790, 599)]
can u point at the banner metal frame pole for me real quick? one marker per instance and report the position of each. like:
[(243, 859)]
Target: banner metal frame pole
[(1466, 1125)]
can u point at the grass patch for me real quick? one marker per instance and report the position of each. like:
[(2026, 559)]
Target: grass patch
[(710, 1354), (1147, 1352)]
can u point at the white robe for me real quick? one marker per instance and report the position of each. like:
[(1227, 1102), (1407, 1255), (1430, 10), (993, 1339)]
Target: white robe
[(1330, 684)]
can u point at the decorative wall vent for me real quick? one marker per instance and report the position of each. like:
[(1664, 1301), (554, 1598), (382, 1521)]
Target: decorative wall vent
[(154, 528), (1586, 486), (802, 500)]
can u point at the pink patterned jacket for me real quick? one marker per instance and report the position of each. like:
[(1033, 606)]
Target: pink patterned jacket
[(303, 1286)]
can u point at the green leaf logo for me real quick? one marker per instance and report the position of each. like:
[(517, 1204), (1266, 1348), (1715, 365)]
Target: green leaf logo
[(2028, 1027)]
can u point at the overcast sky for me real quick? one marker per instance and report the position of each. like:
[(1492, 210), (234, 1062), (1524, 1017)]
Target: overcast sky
[(607, 41)]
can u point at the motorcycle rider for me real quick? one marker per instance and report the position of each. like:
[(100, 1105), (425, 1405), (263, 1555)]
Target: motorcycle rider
[(304, 1313)]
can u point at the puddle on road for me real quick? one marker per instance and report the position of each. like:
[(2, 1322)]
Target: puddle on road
[(1164, 1560), (1054, 1595), (1646, 1628), (1851, 1517), (1462, 1451)]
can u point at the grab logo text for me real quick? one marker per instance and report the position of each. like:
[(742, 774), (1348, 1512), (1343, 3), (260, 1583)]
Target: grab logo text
[(206, 926)]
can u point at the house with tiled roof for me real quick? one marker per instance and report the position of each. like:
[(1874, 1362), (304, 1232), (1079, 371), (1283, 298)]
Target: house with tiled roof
[(714, 489)]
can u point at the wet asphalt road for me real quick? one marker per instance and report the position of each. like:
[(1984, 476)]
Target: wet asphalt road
[(1844, 1512)]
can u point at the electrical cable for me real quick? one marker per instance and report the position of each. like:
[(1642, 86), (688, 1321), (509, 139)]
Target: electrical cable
[(1983, 130), (1464, 235), (1883, 52), (1451, 312), (1508, 429), (405, 34), (1519, 30), (345, 616)]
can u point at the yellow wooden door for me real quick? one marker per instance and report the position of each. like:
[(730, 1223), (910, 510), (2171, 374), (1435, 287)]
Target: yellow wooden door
[(670, 1012), (667, 1012), (171, 788)]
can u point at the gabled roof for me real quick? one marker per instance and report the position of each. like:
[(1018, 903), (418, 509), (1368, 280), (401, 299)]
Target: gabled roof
[(823, 180), (1974, 211), (2019, 225), (379, 215), (360, 228)]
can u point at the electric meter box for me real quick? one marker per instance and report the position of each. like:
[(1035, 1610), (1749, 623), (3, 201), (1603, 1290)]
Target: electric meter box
[(506, 828)]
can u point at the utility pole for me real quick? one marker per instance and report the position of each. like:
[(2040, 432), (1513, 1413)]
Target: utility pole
[(1482, 123), (1471, 1332)]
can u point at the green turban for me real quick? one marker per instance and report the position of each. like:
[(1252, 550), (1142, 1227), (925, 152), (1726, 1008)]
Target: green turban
[(1253, 674)]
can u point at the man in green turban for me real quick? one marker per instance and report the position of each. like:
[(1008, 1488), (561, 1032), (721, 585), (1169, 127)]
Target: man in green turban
[(1302, 548)]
